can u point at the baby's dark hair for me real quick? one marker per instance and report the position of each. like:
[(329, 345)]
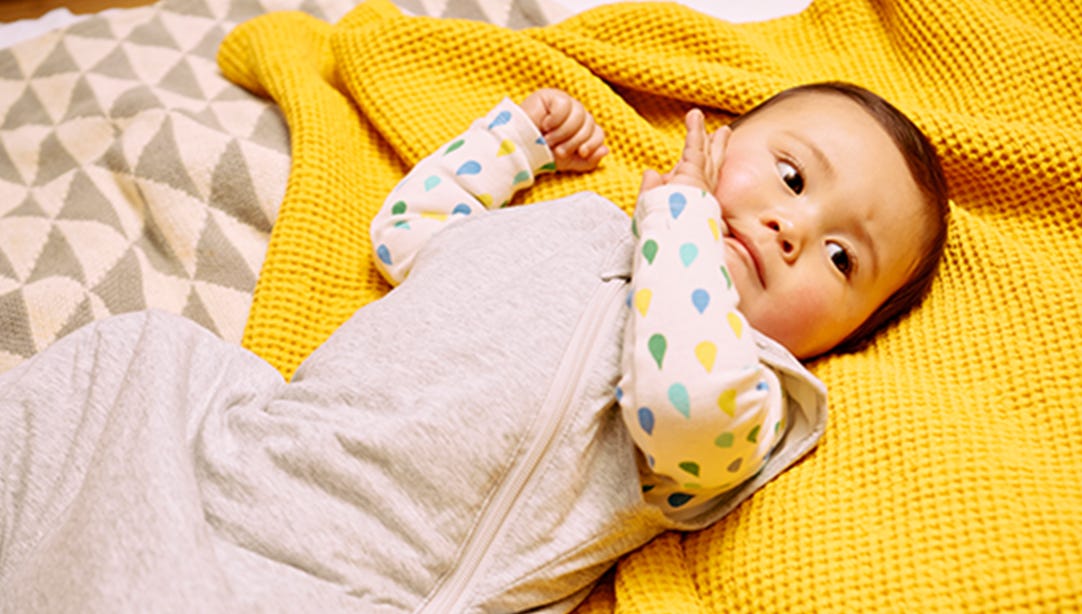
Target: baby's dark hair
[(927, 172)]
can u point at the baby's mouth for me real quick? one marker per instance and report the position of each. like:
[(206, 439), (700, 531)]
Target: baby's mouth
[(747, 250)]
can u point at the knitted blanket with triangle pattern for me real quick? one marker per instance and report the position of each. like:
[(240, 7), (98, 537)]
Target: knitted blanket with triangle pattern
[(948, 478)]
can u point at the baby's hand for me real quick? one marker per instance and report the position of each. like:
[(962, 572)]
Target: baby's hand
[(576, 141), (700, 163)]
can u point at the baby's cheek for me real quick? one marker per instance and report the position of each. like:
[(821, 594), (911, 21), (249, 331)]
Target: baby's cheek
[(810, 304), (806, 321), (737, 188)]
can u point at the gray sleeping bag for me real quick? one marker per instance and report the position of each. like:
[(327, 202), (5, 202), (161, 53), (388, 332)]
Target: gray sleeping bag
[(453, 447)]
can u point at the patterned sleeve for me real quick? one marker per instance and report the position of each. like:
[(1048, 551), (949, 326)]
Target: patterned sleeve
[(698, 402), (482, 168)]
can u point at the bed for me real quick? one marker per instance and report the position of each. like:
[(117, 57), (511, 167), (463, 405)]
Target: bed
[(144, 165)]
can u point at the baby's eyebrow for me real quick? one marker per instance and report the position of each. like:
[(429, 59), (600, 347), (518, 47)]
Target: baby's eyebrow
[(820, 158)]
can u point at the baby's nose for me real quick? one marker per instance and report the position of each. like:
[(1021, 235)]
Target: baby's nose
[(787, 234)]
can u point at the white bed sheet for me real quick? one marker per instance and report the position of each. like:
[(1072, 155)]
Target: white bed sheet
[(24, 29), (737, 11)]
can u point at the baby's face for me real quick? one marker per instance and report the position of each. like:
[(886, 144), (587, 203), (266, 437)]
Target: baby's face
[(825, 219)]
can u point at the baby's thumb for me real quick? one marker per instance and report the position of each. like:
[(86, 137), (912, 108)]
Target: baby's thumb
[(650, 180)]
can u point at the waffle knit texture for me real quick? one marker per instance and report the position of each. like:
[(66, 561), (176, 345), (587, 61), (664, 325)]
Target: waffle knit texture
[(948, 478)]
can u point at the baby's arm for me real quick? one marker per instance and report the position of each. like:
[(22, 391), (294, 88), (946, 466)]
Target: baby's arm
[(484, 167), (694, 395), (481, 168)]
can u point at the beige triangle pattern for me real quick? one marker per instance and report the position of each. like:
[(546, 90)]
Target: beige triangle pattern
[(23, 145), (207, 47), (229, 269), (29, 208), (58, 62), (187, 30), (265, 164), (106, 89), (88, 51), (62, 294), (152, 33), (54, 93), (195, 309), (53, 160), (30, 54), (132, 175), (56, 260), (233, 191), (182, 80), (11, 90), (10, 72), (116, 65), (26, 110), (93, 28), (50, 196), (85, 202), (161, 161), (200, 150), (120, 289), (8, 173), (22, 240), (12, 196), (228, 322), (95, 247), (83, 313), (6, 270), (86, 138), (16, 337), (150, 63), (83, 102)]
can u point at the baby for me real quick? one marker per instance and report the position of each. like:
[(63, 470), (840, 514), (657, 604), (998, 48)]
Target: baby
[(813, 220), (454, 446)]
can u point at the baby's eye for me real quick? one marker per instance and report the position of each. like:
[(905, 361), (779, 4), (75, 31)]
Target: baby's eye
[(791, 176), (839, 257)]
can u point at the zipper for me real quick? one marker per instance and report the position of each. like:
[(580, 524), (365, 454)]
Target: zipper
[(454, 588)]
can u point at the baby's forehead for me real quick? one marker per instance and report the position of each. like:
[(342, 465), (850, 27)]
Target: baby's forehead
[(836, 125), (832, 125)]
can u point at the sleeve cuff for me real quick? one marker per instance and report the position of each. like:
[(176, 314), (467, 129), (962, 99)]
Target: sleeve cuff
[(509, 121)]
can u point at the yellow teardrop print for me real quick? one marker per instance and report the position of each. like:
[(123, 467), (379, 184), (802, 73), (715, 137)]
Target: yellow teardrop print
[(736, 324), (642, 300), (727, 402), (714, 228), (706, 352)]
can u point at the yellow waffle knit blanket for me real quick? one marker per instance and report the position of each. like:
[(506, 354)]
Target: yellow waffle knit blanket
[(949, 476)]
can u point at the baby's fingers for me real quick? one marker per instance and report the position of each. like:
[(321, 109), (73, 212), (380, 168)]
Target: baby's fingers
[(585, 157), (650, 180), (564, 126), (695, 165), (566, 143), (715, 155), (591, 152), (695, 142), (719, 140), (581, 149), (557, 109)]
